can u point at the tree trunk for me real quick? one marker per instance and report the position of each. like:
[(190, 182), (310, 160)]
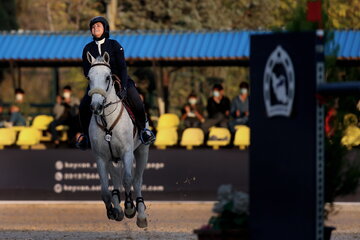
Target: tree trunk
[(159, 88), (111, 12), (49, 16)]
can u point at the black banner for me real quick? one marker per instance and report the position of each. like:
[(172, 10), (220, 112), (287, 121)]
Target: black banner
[(173, 174), (283, 151)]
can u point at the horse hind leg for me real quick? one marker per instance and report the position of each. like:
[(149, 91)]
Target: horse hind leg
[(141, 156)]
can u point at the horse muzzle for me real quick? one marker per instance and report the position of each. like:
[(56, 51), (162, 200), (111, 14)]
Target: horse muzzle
[(97, 108), (96, 94)]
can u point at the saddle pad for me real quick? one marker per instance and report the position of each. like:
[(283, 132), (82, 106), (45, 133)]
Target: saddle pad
[(131, 114)]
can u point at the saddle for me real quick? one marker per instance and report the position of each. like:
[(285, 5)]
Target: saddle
[(125, 102), (130, 112)]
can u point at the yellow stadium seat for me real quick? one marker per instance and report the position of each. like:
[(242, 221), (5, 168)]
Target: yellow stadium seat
[(7, 137), (18, 128), (41, 122), (351, 137), (242, 136), (350, 119), (168, 120), (192, 137), (28, 137), (166, 137), (63, 129), (218, 137)]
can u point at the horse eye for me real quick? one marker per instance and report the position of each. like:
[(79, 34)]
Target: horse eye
[(108, 78)]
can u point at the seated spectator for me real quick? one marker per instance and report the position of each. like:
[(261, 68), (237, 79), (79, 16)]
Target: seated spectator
[(218, 108), (192, 113), (65, 112), (239, 109), (19, 110)]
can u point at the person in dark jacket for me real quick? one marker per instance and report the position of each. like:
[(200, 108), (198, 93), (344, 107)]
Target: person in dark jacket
[(101, 43), (192, 112), (218, 108)]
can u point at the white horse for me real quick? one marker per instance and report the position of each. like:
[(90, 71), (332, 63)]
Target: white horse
[(115, 145)]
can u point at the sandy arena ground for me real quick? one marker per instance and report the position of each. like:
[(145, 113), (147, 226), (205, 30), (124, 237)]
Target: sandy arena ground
[(167, 220)]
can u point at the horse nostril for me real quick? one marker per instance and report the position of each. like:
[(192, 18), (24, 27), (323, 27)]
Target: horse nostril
[(96, 108)]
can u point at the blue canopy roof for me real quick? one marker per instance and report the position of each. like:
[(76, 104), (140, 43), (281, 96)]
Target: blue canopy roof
[(151, 45)]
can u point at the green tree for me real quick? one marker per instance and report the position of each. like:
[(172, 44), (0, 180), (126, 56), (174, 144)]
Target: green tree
[(8, 15)]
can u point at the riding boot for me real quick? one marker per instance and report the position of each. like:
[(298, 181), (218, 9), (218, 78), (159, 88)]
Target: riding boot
[(137, 106), (85, 118)]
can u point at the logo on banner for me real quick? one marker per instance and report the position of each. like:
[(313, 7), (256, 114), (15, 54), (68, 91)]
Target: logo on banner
[(279, 84)]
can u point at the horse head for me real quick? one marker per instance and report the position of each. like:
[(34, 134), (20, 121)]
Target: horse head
[(100, 81)]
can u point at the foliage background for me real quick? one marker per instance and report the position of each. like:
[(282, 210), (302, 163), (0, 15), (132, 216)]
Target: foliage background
[(194, 15)]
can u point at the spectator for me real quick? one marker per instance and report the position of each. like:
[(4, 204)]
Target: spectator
[(192, 113), (65, 112), (240, 107), (19, 110), (218, 108), (2, 116)]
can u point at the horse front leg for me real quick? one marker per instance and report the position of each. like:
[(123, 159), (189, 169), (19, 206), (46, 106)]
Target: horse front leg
[(115, 174), (104, 181), (141, 157), (129, 205)]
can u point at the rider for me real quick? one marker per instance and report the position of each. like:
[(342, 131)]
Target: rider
[(100, 31)]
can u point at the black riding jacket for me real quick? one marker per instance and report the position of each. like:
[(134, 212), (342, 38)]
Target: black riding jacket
[(117, 59)]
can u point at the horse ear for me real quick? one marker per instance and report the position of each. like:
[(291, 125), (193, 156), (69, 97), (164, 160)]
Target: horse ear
[(106, 57), (90, 58)]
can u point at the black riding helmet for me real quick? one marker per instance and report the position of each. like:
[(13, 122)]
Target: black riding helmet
[(104, 22)]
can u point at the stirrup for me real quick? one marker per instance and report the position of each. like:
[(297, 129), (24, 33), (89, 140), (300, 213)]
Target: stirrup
[(83, 144), (150, 136)]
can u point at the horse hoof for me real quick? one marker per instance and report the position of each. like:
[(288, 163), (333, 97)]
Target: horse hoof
[(110, 214), (130, 212), (118, 215), (141, 223)]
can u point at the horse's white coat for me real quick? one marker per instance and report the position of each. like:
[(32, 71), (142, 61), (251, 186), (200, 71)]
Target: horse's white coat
[(124, 145)]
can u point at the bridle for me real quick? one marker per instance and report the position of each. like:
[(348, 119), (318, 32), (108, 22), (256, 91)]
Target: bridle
[(103, 92)]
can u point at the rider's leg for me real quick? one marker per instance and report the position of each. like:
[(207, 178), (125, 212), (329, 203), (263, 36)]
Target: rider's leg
[(137, 106), (85, 118)]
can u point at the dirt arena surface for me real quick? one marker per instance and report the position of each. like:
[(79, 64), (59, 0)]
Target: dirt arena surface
[(167, 220), (346, 219)]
